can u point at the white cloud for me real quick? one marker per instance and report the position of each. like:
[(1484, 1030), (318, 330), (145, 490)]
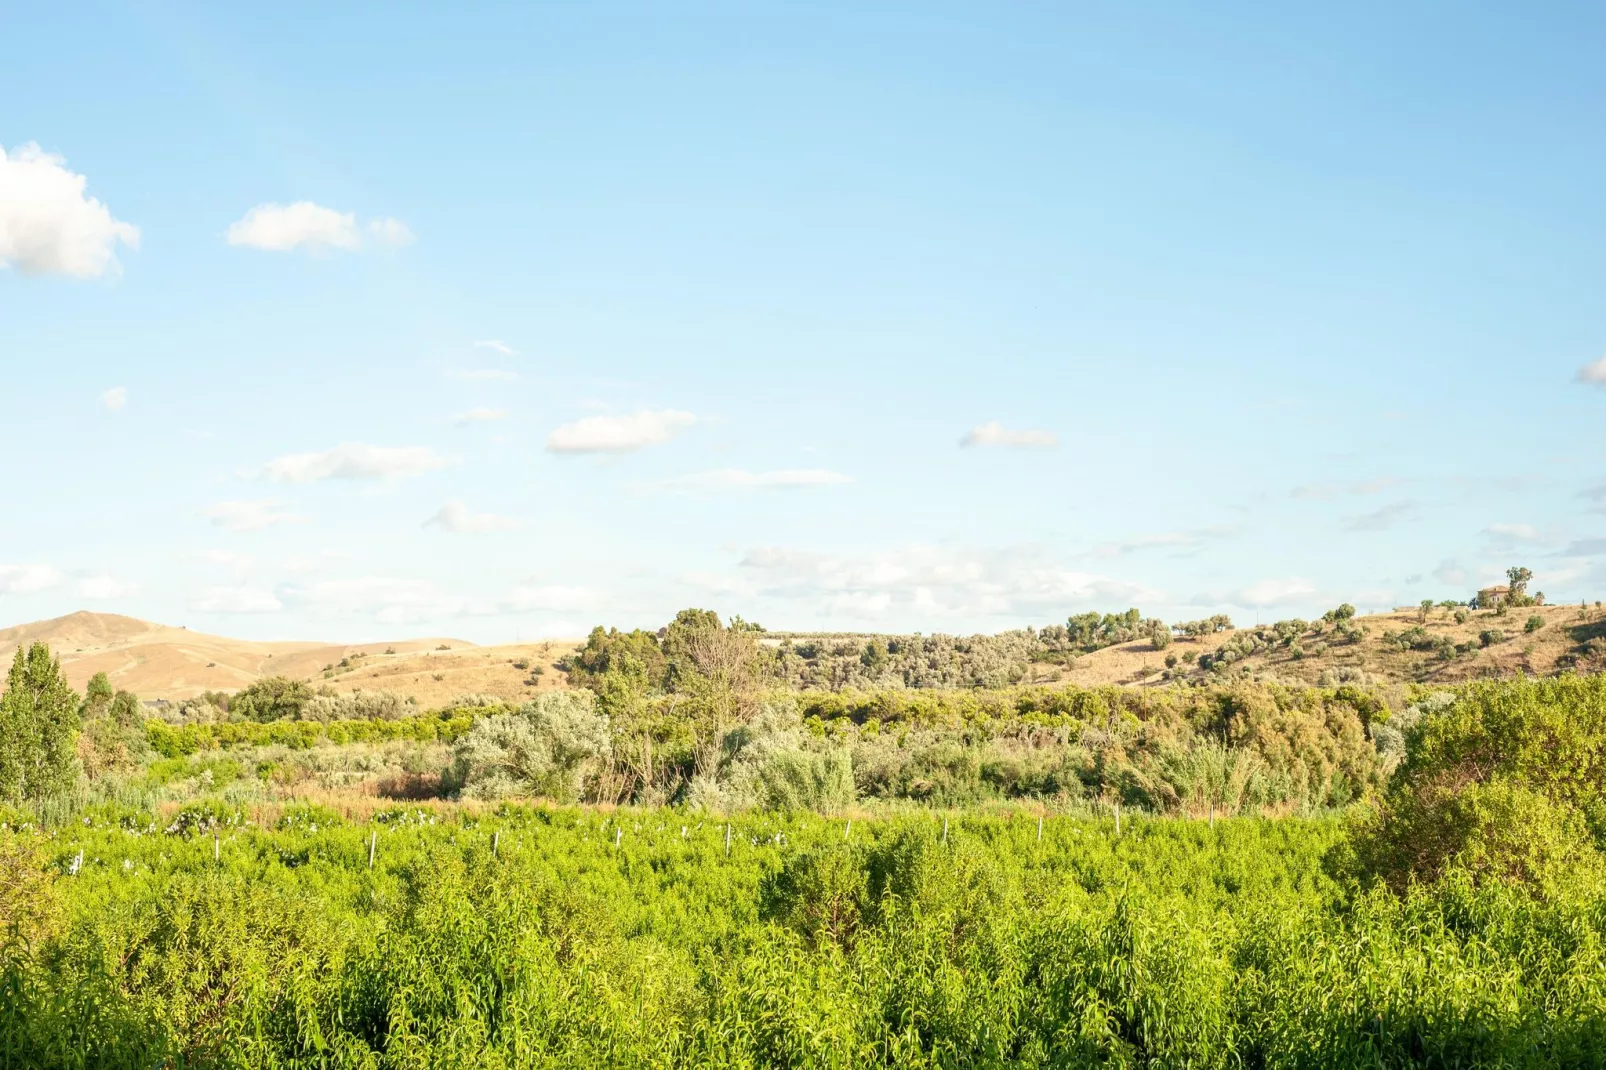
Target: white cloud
[(251, 514), (237, 600), (27, 579), (994, 433), (619, 434), (455, 517), (483, 375), (353, 460), (392, 233), (1593, 372), (1273, 592), (1451, 572), (741, 479), (496, 345), (230, 559), (115, 398), (923, 582), (479, 416), (101, 587), (1512, 533), (552, 597), (280, 228), (48, 226)]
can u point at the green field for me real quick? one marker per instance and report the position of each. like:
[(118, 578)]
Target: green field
[(527, 936)]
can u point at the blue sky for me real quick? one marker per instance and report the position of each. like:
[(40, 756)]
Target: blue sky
[(497, 322)]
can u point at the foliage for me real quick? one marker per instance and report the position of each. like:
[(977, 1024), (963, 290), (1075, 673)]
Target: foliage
[(545, 748), (273, 698), (639, 938), (39, 723), (1502, 780)]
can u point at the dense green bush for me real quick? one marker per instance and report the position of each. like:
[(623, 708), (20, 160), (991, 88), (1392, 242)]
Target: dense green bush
[(1503, 780), (637, 938)]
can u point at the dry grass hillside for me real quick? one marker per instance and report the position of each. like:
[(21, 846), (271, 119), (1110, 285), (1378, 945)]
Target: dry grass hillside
[(156, 661), (1571, 637)]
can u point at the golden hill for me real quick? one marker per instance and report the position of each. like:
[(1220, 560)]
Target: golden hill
[(157, 661), (1570, 637)]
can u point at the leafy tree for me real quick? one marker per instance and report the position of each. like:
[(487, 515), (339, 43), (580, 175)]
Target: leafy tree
[(1339, 615), (1505, 780), (39, 724), (114, 739), (1426, 608), (1517, 578), (273, 698), (545, 748), (97, 696)]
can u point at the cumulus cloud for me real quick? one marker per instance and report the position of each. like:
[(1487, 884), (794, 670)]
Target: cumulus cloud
[(994, 433), (496, 345), (353, 461), (103, 587), (741, 479), (115, 398), (923, 582), (251, 514), (48, 226), (304, 225), (455, 517), (479, 416), (619, 434), (1593, 372), (27, 579), (237, 600), (483, 375)]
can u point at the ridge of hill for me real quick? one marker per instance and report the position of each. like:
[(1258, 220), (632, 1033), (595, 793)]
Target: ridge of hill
[(159, 661)]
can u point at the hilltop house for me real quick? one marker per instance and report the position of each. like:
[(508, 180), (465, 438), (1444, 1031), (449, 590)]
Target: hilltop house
[(1489, 597)]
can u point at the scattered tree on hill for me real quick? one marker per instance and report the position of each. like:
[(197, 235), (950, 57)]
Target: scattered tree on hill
[(273, 698), (39, 724)]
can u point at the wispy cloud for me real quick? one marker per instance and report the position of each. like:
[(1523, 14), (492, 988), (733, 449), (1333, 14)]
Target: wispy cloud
[(1380, 519), (1264, 594), (354, 461), (479, 416), (482, 375), (1585, 548), (251, 514), (114, 399), (48, 226), (236, 600), (101, 588), (1161, 541), (305, 225), (1594, 372), (619, 434), (455, 517), (496, 345), (1320, 491), (27, 579), (742, 479), (994, 433), (1510, 533)]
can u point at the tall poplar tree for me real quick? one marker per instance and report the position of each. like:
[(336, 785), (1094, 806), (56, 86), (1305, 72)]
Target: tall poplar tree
[(38, 728)]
